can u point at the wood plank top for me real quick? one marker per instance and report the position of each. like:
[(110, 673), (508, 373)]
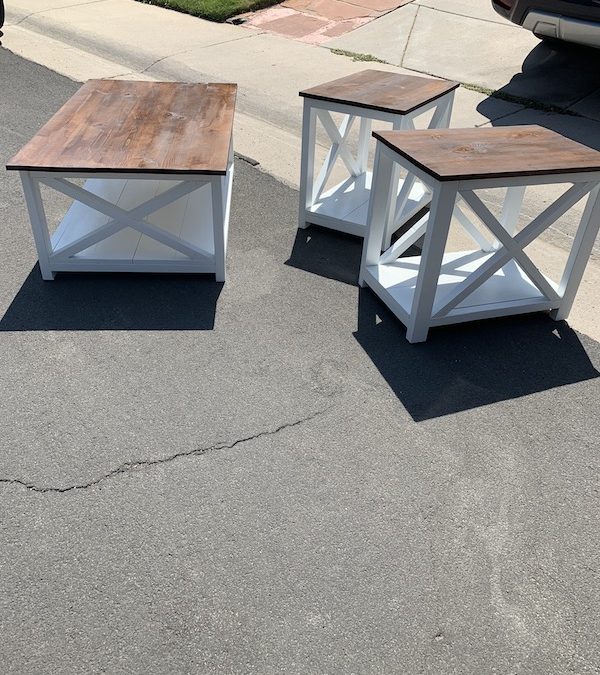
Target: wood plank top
[(464, 154), (138, 127), (381, 90)]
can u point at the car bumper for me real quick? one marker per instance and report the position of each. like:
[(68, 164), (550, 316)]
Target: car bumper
[(544, 24)]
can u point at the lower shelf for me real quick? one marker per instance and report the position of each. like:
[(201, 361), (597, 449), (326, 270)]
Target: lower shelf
[(345, 206), (508, 291), (188, 218)]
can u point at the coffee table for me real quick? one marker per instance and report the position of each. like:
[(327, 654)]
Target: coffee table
[(157, 160)]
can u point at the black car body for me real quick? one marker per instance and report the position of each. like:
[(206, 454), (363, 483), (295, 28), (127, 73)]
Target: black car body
[(570, 20)]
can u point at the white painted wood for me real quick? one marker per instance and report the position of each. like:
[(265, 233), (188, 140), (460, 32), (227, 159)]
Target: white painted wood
[(379, 206), (515, 251), (402, 244), (337, 208), (227, 194), (442, 207), (579, 255), (39, 225), (170, 218), (403, 191), (339, 138), (364, 137), (470, 228), (439, 288), (506, 287), (120, 218), (218, 228), (344, 207), (147, 225), (511, 208), (80, 219), (333, 153), (307, 161)]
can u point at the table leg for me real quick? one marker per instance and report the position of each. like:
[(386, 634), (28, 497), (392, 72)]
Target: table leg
[(307, 161), (579, 256), (379, 209), (399, 124), (511, 209), (218, 213), (440, 217), (39, 224)]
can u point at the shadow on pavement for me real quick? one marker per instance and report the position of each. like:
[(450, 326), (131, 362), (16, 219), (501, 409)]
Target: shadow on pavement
[(113, 302), (327, 253), (459, 367), (558, 76), (470, 365)]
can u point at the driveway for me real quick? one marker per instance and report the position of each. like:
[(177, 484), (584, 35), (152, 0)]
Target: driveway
[(265, 477)]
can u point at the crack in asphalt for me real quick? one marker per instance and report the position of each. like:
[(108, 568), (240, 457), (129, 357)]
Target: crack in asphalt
[(126, 467)]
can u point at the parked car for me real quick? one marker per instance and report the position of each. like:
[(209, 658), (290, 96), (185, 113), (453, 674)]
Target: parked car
[(569, 20)]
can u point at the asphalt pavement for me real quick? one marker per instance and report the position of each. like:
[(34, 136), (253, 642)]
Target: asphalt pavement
[(265, 477)]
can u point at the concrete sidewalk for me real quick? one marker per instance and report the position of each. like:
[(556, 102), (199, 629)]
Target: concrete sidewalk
[(123, 38), (265, 477)]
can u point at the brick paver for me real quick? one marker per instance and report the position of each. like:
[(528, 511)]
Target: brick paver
[(316, 21)]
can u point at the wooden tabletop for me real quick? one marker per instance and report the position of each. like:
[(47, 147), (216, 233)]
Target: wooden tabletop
[(137, 127), (380, 90), (463, 154)]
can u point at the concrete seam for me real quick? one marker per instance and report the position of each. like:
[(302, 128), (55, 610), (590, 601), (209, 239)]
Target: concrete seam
[(466, 16), (185, 51), (412, 25), (47, 11), (581, 98), (500, 117)]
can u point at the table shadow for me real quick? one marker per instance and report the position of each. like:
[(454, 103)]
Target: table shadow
[(470, 365), (327, 253), (113, 302)]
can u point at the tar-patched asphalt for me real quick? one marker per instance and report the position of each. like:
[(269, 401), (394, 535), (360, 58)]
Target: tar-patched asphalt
[(265, 477)]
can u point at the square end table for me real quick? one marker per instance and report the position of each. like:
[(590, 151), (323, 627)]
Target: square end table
[(366, 96), (157, 159), (498, 278)]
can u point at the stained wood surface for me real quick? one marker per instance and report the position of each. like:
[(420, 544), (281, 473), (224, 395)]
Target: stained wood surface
[(137, 127), (462, 154), (380, 90)]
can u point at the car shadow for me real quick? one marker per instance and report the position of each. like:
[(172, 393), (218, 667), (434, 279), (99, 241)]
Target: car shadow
[(113, 302), (552, 80), (470, 365)]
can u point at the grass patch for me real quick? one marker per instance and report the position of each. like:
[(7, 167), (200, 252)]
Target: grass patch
[(213, 10), (355, 56)]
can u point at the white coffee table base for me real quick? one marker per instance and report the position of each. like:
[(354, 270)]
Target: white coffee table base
[(133, 222)]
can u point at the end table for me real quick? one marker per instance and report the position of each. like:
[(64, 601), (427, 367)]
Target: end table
[(365, 96)]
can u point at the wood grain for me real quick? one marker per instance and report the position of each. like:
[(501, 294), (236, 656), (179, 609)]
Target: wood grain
[(381, 90), (137, 127), (463, 154)]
